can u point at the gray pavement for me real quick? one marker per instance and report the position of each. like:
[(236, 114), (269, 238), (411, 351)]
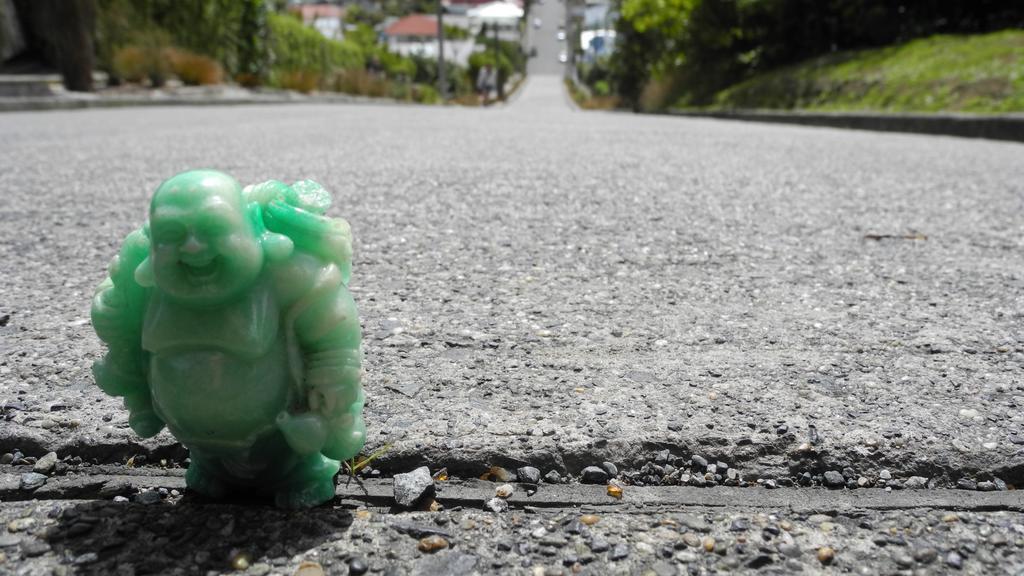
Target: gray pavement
[(562, 288), (142, 523), (552, 14)]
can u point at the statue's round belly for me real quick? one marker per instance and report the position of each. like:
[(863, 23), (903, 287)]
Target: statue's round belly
[(218, 400)]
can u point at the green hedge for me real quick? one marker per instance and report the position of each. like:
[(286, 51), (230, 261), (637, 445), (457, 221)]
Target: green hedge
[(296, 48), (232, 32)]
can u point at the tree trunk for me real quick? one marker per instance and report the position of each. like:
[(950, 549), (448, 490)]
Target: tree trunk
[(62, 31)]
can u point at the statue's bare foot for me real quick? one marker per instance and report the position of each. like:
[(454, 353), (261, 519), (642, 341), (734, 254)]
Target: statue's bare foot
[(306, 495), (202, 481)]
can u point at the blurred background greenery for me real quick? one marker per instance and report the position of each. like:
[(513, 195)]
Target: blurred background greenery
[(254, 43), (827, 54)]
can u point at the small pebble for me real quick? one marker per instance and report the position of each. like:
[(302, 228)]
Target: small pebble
[(598, 545), (926, 555), (87, 558), (148, 497), (497, 504), (45, 464), (826, 554), (903, 560), (789, 550), (33, 548), (432, 543), (240, 561), (528, 475), (357, 567), (21, 524), (709, 544), (309, 569), (619, 552), (411, 487), (833, 479), (32, 480), (594, 475)]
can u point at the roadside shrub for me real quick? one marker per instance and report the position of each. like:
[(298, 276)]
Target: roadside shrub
[(234, 33), (304, 81), (145, 58), (425, 94), (130, 64), (400, 91), (361, 83), (248, 79), (194, 69), (465, 99), (298, 48)]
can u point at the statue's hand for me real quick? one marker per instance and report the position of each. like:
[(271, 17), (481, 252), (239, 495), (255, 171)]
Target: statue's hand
[(304, 433), (141, 416), (145, 424)]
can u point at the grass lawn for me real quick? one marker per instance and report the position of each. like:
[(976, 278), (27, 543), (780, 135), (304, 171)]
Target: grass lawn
[(978, 73)]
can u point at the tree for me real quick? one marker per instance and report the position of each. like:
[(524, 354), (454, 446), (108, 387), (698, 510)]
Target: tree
[(62, 31)]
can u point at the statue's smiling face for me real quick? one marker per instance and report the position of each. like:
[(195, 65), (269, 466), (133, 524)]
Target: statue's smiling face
[(204, 249)]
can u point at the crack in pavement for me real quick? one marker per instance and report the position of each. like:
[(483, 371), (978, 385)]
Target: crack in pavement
[(472, 493)]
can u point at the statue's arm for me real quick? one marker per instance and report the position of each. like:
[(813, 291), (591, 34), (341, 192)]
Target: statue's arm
[(117, 313), (327, 331)]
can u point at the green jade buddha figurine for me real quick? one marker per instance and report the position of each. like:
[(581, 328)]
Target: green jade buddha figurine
[(228, 319)]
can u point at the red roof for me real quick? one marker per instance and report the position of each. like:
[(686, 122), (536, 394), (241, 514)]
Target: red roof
[(414, 25), (310, 12), (518, 3)]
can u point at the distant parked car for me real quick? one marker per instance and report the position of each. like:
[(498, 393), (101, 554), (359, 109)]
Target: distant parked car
[(561, 34), (563, 57), (536, 22)]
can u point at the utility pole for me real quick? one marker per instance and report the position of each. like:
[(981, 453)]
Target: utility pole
[(442, 85), (497, 69)]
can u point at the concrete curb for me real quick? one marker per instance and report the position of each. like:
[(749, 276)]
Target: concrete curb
[(473, 493), (56, 103), (997, 127)]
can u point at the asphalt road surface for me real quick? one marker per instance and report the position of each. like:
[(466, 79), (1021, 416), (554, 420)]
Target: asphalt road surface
[(540, 285), (544, 39)]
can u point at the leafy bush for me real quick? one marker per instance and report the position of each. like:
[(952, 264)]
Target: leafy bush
[(144, 59), (131, 64), (425, 94), (194, 69), (963, 73), (231, 32), (697, 47), (296, 48), (362, 83), (304, 81)]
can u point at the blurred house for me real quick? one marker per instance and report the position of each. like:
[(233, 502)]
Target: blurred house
[(503, 15), (416, 35), (328, 19), (464, 6), (597, 32)]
